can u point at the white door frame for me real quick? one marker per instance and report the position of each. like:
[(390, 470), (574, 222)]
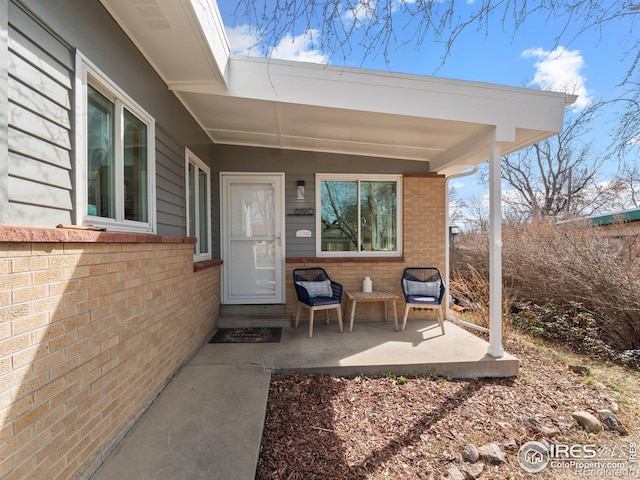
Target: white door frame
[(278, 180)]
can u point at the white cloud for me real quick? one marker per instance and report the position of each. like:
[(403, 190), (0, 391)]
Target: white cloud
[(457, 185), (361, 11), (242, 40), (560, 70), (301, 47)]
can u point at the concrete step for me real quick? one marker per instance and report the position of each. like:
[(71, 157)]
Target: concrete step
[(244, 321), (253, 310)]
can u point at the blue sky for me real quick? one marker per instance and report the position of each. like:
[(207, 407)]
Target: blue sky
[(591, 62)]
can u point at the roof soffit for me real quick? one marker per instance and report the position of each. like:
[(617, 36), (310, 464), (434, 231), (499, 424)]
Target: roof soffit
[(286, 104)]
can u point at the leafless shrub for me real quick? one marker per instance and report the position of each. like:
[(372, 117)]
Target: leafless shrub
[(572, 265)]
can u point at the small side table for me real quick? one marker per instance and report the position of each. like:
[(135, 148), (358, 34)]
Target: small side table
[(375, 296)]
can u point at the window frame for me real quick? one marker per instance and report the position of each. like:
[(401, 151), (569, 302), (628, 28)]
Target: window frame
[(351, 177), (192, 159), (89, 74)]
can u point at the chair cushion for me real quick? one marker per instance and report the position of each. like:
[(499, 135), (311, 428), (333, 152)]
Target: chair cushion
[(420, 299), (318, 289), (422, 289), (317, 301)]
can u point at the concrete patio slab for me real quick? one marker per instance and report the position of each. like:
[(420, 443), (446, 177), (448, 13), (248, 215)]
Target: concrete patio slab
[(372, 348), (208, 422)]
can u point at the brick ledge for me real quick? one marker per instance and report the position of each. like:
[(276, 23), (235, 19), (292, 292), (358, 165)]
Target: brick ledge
[(203, 265), (25, 234), (316, 260)]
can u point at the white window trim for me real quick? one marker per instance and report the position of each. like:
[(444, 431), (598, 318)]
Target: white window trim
[(191, 158), (85, 69), (320, 177)]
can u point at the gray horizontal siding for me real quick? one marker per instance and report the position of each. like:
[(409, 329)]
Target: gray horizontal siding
[(300, 246), (170, 187), (39, 38), (27, 191), (33, 100), (35, 148), (38, 215), (39, 172), (39, 116), (301, 165)]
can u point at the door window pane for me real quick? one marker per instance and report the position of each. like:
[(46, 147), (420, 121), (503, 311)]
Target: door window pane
[(252, 248)]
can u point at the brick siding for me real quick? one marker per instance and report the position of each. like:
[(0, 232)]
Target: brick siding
[(89, 335)]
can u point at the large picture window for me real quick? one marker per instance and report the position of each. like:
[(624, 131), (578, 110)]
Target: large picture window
[(198, 206), (115, 156), (359, 215)]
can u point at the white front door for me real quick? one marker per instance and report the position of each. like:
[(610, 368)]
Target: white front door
[(252, 238)]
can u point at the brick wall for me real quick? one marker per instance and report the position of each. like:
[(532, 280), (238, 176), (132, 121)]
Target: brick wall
[(424, 244), (90, 332)]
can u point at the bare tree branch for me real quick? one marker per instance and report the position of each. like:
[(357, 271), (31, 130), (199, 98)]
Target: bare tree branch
[(340, 26)]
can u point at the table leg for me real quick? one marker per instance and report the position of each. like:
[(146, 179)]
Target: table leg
[(353, 311), (386, 315), (395, 314)]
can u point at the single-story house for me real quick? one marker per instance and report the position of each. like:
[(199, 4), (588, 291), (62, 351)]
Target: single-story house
[(623, 228), (148, 177), (623, 223)]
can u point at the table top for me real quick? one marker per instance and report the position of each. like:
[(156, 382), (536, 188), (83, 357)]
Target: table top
[(373, 296)]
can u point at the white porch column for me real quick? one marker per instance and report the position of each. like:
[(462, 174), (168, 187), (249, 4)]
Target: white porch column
[(495, 252)]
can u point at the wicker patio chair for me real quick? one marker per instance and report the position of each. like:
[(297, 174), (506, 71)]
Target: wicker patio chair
[(316, 291), (423, 287)]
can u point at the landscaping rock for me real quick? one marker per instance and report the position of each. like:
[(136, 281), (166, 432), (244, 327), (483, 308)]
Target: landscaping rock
[(549, 431), (535, 423), (580, 370), (505, 425), (472, 470), (470, 453), (448, 456), (492, 453), (563, 423), (609, 419), (587, 421), (454, 473), (510, 444)]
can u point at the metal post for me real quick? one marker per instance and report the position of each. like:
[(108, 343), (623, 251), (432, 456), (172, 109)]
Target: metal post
[(495, 252)]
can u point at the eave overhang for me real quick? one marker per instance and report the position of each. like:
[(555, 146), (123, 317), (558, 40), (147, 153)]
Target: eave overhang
[(301, 106)]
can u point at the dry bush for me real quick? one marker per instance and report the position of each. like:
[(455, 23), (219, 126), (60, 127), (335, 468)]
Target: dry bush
[(572, 266)]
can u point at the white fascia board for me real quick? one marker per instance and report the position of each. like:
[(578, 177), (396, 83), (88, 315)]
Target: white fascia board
[(212, 29), (400, 94)]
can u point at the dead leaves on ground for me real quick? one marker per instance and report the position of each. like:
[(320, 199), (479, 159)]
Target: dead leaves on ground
[(325, 427)]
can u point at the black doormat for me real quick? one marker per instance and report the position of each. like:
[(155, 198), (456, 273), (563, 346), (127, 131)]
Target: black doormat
[(247, 335)]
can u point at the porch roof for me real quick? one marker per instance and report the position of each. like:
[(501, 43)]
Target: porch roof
[(294, 105)]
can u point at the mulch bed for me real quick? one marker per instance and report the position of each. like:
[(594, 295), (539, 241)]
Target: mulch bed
[(325, 427)]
